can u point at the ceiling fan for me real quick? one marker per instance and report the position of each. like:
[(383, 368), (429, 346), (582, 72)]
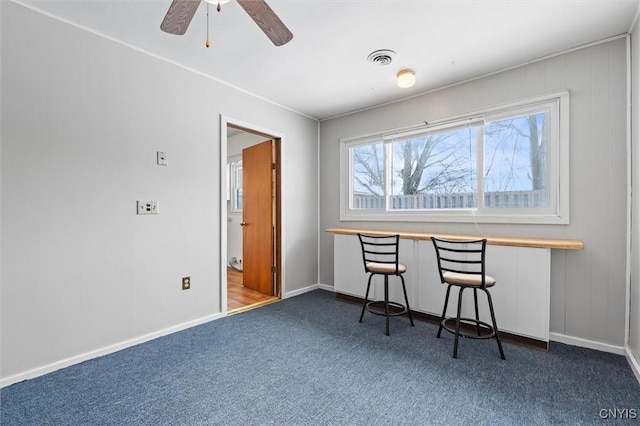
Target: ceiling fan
[(181, 12)]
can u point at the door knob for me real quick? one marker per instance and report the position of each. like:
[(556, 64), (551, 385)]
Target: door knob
[(243, 223)]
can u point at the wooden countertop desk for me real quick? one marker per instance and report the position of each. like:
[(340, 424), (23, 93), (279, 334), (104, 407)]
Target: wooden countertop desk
[(551, 243)]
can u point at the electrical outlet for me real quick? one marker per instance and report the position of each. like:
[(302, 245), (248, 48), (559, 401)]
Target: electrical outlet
[(162, 158), (147, 207), (186, 283)]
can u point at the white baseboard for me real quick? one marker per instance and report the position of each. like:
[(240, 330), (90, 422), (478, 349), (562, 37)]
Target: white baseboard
[(589, 344), (50, 368), (327, 287), (306, 290), (633, 362)]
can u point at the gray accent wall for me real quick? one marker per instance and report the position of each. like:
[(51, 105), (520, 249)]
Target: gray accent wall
[(588, 287), (82, 119)]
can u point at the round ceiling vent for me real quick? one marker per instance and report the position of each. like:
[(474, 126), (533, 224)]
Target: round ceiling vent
[(381, 57)]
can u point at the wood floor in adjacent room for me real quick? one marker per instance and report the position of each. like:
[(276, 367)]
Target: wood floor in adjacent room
[(241, 298)]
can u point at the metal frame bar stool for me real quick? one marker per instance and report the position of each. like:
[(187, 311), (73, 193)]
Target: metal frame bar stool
[(462, 264), (380, 257)]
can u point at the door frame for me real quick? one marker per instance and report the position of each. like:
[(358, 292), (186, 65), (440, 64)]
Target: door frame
[(278, 138)]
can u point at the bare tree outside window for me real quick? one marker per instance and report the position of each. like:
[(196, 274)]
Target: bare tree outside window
[(367, 162), (439, 170), (429, 168), (515, 165)]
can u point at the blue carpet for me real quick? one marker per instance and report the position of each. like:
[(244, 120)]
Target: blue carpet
[(306, 361)]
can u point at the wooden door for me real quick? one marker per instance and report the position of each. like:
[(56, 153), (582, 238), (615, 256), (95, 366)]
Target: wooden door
[(257, 217)]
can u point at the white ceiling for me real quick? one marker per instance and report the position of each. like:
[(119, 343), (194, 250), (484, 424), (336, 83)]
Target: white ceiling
[(323, 72)]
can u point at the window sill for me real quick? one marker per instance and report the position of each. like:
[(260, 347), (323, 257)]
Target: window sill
[(457, 216)]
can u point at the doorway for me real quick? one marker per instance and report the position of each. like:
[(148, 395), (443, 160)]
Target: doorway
[(251, 272)]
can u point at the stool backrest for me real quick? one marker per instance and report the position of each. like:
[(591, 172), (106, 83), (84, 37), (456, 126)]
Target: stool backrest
[(380, 249), (463, 257)]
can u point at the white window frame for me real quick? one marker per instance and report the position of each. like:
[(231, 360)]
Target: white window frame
[(557, 211)]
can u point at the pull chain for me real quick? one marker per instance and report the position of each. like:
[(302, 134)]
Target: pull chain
[(207, 43)]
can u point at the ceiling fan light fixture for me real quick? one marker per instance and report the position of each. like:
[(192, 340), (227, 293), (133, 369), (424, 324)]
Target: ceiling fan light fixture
[(217, 2), (180, 13), (406, 79)]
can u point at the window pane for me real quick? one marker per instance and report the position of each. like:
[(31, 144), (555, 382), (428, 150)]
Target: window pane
[(367, 165), (238, 170), (435, 171), (236, 186), (237, 199), (515, 162)]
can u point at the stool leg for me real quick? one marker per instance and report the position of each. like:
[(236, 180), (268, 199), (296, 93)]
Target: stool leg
[(406, 300), (475, 300), (444, 311), (366, 297), (455, 342), (386, 300), (495, 326)]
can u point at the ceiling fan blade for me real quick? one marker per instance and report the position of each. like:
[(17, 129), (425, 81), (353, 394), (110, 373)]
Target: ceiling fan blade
[(267, 20), (179, 15)]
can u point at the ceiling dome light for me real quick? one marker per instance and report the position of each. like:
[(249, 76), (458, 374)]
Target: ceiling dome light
[(406, 78)]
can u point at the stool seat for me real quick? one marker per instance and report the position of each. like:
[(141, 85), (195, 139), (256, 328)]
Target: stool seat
[(473, 280), (385, 268)]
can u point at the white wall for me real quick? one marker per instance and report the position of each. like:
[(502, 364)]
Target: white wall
[(634, 305), (588, 286), (82, 119)]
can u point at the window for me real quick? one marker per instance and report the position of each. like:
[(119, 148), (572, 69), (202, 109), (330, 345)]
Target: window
[(235, 185), (499, 165), (434, 170), (515, 160)]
